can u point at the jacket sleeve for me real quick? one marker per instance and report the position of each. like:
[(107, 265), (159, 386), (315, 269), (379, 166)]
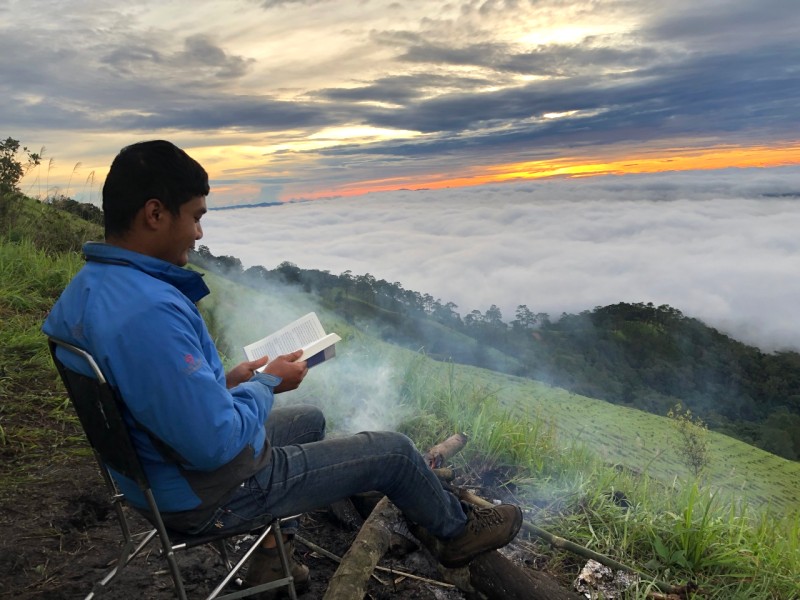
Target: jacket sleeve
[(171, 379)]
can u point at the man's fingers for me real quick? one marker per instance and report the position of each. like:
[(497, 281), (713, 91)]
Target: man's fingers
[(293, 356)]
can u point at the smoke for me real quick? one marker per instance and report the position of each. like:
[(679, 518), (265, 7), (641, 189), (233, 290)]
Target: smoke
[(358, 390)]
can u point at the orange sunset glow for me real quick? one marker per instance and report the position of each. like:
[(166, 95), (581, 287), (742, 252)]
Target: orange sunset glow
[(681, 159)]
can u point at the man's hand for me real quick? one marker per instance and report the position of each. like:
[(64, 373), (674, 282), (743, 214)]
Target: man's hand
[(289, 369), (244, 371)]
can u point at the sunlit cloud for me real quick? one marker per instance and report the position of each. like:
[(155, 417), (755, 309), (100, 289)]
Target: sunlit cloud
[(361, 134)]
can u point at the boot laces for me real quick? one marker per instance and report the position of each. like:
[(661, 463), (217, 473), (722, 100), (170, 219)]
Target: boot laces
[(484, 518)]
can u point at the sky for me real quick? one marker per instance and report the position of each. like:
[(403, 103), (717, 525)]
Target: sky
[(285, 100), (561, 154)]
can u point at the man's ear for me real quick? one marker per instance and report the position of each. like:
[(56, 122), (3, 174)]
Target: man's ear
[(154, 213)]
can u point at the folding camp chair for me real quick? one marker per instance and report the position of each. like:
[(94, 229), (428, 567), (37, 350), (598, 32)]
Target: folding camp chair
[(99, 408)]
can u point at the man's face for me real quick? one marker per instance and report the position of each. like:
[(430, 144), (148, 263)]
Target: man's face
[(183, 231)]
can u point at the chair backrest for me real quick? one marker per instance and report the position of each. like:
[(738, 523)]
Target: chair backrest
[(99, 409)]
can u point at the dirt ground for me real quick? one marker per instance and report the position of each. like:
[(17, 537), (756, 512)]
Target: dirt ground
[(59, 536)]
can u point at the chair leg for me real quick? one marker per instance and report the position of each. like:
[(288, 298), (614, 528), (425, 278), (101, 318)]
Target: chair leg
[(287, 572), (166, 544), (223, 554)]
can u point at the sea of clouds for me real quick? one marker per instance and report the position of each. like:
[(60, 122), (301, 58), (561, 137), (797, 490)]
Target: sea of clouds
[(721, 246)]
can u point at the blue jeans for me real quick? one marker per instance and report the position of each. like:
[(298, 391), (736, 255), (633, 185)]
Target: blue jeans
[(308, 472)]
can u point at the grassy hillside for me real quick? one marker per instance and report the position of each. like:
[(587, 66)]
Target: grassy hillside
[(549, 450), (643, 442), (617, 435)]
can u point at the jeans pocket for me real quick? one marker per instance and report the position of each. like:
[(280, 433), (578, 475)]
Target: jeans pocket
[(210, 526)]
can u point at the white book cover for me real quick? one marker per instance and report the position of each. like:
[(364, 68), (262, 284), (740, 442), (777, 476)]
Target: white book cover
[(305, 333)]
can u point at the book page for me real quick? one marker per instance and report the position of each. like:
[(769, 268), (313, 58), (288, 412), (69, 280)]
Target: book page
[(294, 336)]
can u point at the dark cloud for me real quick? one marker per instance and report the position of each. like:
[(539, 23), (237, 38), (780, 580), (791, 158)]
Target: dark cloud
[(727, 24), (403, 89), (200, 52), (714, 95), (222, 112), (552, 60), (200, 59)]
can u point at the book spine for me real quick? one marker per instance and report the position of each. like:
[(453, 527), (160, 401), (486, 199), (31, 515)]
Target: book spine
[(321, 356)]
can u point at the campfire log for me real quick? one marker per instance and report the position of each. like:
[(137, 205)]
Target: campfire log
[(358, 563), (347, 515), (497, 578)]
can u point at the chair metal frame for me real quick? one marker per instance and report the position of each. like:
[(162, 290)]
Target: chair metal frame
[(99, 409)]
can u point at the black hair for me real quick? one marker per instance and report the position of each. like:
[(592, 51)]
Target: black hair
[(155, 169)]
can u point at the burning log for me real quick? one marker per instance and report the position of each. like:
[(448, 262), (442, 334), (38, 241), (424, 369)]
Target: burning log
[(497, 577)]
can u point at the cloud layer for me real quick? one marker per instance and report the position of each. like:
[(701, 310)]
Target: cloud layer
[(720, 246)]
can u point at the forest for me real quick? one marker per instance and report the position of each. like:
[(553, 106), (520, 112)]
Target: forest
[(630, 353)]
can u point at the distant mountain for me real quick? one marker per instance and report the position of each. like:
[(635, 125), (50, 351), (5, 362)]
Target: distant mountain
[(235, 206)]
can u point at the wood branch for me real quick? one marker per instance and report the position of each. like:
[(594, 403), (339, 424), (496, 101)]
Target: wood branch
[(436, 456), (359, 561)]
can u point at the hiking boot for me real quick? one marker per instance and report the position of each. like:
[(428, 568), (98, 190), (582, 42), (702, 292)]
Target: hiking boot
[(265, 566), (487, 529)]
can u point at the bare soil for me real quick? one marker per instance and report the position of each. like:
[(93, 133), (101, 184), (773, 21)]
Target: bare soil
[(59, 536)]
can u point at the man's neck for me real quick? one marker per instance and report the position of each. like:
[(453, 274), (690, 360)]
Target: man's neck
[(128, 242)]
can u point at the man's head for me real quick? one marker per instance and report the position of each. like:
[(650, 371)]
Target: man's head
[(153, 198), (149, 170)]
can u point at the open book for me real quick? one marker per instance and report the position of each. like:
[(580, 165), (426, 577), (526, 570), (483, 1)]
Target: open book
[(306, 333)]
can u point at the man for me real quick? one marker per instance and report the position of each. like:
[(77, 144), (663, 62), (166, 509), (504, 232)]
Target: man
[(215, 452)]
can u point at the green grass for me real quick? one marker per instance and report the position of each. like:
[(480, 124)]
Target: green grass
[(38, 256)]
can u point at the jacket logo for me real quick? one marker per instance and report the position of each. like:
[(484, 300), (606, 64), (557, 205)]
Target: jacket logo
[(192, 364)]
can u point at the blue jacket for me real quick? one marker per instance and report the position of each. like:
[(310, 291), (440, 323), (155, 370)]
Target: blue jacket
[(197, 440)]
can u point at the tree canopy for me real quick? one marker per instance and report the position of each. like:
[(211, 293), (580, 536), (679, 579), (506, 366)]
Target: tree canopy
[(14, 167)]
